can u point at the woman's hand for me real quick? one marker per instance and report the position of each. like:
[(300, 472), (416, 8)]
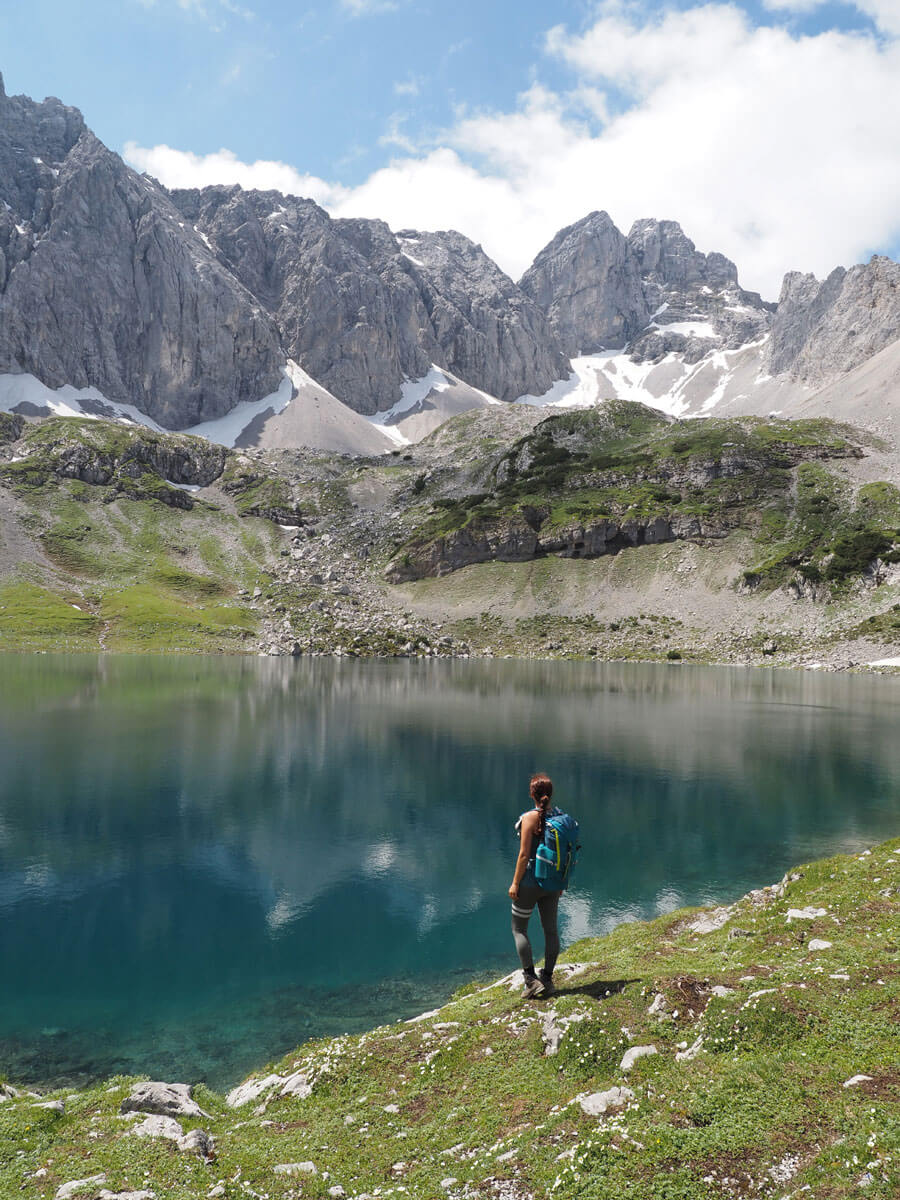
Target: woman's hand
[(514, 891)]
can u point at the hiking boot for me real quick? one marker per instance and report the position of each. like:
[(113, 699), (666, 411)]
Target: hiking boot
[(533, 987), (546, 979)]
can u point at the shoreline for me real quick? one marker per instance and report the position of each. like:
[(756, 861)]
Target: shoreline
[(746, 1003)]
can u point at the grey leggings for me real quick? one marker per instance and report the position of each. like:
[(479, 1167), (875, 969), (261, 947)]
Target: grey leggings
[(522, 908)]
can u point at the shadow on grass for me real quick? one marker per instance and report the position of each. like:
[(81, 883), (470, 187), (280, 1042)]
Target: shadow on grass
[(598, 990)]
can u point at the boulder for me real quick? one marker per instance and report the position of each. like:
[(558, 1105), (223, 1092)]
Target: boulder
[(805, 914), (165, 1099), (198, 1142), (78, 1185), (631, 1056), (159, 1127), (598, 1103), (710, 922), (251, 1089)]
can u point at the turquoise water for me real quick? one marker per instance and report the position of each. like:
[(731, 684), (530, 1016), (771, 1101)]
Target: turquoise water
[(205, 861)]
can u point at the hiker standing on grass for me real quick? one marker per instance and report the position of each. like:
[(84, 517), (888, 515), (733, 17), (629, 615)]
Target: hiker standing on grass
[(541, 876)]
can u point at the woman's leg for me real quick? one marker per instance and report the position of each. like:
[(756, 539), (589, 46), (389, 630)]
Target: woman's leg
[(522, 908), (548, 908)]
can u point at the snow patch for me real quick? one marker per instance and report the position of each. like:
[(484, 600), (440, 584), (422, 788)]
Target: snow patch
[(413, 394), (226, 430), (67, 401)]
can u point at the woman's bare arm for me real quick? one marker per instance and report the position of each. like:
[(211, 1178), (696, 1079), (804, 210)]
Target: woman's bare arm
[(529, 827)]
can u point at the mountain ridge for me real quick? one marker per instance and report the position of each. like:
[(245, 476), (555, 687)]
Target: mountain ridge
[(185, 304)]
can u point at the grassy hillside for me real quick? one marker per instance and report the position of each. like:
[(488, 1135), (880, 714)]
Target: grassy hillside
[(607, 533), (593, 482), (776, 1074), (122, 553)]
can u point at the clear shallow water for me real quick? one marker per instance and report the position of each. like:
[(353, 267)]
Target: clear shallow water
[(205, 861)]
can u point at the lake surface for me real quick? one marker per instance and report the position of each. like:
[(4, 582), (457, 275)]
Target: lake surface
[(205, 861)]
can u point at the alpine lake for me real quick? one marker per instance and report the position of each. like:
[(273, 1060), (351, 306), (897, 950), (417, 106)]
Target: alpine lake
[(206, 861)]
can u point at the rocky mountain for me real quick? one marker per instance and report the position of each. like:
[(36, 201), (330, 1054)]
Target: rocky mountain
[(364, 310), (823, 329), (102, 285), (652, 291), (193, 305)]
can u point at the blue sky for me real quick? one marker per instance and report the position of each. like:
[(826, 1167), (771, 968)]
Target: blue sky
[(402, 106)]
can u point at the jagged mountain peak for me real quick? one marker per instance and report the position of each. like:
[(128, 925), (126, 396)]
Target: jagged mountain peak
[(665, 251), (186, 303)]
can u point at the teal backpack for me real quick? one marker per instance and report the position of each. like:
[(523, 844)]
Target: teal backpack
[(556, 854)]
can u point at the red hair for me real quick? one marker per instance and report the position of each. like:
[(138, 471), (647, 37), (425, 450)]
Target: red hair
[(541, 789)]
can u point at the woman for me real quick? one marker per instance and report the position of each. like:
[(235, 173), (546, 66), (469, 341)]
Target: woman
[(525, 892)]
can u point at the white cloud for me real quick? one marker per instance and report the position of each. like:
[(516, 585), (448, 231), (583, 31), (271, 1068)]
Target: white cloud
[(366, 8), (779, 150), (884, 13), (209, 11), (395, 135), (181, 168), (408, 87)]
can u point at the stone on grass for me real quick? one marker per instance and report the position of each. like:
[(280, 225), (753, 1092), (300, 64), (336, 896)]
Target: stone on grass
[(553, 1027), (720, 989), (658, 1006), (106, 1194), (297, 1168), (251, 1090), (631, 1056), (690, 1052), (392, 1108), (597, 1103), (818, 944), (297, 1085), (166, 1099), (77, 1185), (159, 1127), (57, 1106), (198, 1142), (710, 922), (855, 1079), (805, 914), (337, 1191)]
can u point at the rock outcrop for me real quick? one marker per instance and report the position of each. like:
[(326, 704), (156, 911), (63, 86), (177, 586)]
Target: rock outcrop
[(102, 284), (364, 310), (589, 284), (823, 329), (652, 291)]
